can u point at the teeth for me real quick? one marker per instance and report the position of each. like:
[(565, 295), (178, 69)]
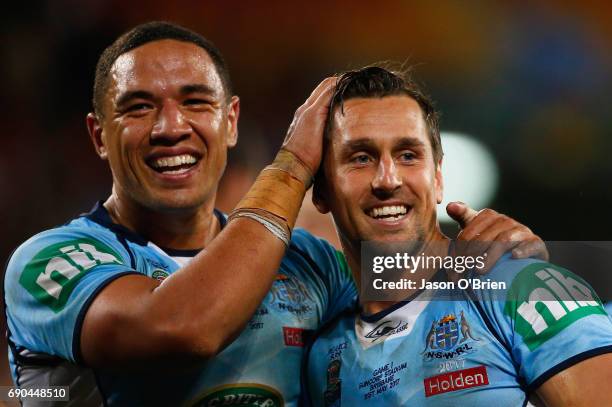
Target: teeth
[(179, 171), (395, 212), (392, 218), (173, 161)]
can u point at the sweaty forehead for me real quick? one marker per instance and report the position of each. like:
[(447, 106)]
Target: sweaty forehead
[(161, 66), (389, 115)]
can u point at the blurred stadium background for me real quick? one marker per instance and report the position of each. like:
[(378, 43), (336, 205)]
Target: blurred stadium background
[(531, 85)]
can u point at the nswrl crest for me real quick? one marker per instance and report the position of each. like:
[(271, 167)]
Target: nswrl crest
[(290, 294), (447, 332)]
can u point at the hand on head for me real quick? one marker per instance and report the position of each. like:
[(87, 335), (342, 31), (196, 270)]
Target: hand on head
[(305, 135)]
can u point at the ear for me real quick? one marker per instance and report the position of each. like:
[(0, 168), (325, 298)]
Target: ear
[(319, 196), (95, 133), (439, 182), (232, 119)]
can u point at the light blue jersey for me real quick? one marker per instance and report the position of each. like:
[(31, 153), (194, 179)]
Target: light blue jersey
[(469, 351), (53, 278)]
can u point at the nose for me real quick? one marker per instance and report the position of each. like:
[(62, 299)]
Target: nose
[(387, 179), (171, 126)]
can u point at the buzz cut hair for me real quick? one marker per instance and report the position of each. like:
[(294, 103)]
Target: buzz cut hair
[(143, 34), (378, 82)]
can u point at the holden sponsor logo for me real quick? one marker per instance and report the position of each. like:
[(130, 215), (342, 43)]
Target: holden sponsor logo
[(385, 329), (449, 337), (293, 336), (457, 380), (241, 394)]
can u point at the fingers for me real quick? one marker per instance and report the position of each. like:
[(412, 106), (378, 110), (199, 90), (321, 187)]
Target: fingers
[(520, 240), (323, 89), (461, 213), (477, 225), (533, 247), (478, 233), (305, 135), (494, 234), (320, 95), (318, 99)]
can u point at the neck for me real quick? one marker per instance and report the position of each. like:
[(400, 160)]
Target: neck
[(436, 245), (182, 229)]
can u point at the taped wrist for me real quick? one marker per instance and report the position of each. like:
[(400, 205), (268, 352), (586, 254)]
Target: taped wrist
[(287, 161), (275, 198), (274, 224)]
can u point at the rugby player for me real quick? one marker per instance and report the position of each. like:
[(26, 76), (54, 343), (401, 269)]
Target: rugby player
[(154, 297), (461, 347)]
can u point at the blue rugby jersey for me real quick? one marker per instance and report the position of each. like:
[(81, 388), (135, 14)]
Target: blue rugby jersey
[(53, 277), (474, 350)]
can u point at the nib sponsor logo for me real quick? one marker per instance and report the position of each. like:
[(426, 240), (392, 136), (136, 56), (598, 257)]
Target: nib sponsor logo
[(458, 380), (545, 299)]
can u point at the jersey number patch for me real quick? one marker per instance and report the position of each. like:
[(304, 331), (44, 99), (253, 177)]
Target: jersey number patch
[(54, 272)]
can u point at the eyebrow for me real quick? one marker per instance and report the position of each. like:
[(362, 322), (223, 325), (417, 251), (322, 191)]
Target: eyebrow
[(357, 145), (184, 90), (197, 88), (409, 142), (368, 144)]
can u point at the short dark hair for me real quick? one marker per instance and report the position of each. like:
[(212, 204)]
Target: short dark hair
[(378, 82), (150, 32)]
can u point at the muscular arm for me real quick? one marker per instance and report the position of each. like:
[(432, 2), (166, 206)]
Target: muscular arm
[(584, 384), (195, 313), (203, 306)]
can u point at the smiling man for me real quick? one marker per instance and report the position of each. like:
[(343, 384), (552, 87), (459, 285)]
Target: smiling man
[(547, 336), (155, 297), (122, 304)]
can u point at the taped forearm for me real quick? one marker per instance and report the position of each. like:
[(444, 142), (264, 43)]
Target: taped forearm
[(275, 198)]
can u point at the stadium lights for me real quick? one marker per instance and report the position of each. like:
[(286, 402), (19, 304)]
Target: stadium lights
[(470, 173)]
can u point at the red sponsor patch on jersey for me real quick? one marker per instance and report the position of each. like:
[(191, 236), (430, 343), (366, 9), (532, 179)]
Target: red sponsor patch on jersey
[(457, 380), (293, 336)]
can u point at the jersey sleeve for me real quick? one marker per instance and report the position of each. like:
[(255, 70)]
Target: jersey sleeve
[(338, 283), (551, 319), (51, 280), (342, 289)]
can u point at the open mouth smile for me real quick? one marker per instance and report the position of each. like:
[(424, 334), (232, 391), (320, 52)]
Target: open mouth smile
[(173, 165), (389, 213)]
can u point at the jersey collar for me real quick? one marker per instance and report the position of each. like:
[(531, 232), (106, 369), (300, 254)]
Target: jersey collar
[(100, 215)]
